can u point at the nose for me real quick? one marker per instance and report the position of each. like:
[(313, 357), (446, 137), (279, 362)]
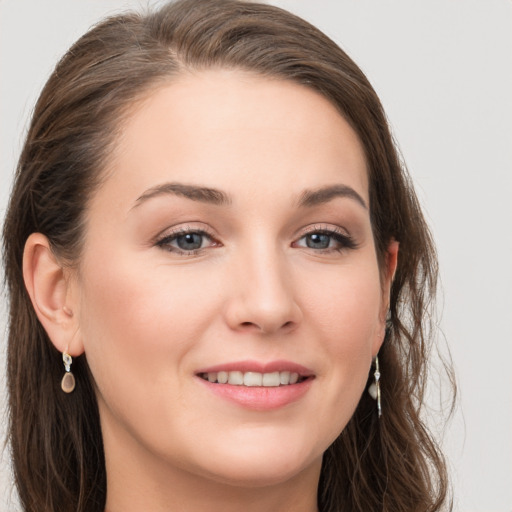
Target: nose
[(262, 295)]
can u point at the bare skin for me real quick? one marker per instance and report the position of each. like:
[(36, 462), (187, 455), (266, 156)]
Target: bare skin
[(232, 232)]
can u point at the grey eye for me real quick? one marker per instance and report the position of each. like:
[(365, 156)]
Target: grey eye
[(318, 241), (326, 241), (189, 241)]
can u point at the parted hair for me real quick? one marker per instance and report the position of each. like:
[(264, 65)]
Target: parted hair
[(391, 464)]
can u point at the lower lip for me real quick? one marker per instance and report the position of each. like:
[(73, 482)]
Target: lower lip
[(260, 398)]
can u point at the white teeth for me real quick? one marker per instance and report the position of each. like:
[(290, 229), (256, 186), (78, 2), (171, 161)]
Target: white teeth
[(236, 378), (253, 379), (271, 379)]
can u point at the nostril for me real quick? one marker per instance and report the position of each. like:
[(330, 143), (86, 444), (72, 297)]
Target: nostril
[(265, 328)]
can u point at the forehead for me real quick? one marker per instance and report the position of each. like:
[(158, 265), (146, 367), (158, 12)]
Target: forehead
[(236, 131)]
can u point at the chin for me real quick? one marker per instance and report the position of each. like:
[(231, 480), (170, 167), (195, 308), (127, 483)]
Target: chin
[(261, 462), (259, 474)]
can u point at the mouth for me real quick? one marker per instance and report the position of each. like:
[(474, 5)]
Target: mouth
[(254, 379), (258, 386)]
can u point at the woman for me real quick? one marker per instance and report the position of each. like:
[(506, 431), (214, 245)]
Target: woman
[(219, 277)]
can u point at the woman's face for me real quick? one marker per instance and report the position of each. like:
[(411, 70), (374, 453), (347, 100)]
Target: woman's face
[(231, 240)]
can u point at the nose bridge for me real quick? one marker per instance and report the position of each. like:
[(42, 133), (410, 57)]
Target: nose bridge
[(264, 296)]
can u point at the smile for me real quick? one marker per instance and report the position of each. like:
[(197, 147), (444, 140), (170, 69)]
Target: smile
[(253, 379), (258, 386)]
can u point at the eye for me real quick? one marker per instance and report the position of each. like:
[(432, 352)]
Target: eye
[(190, 241), (186, 241), (326, 240), (318, 241)]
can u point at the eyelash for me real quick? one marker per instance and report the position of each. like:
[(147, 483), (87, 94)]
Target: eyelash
[(165, 241), (345, 241)]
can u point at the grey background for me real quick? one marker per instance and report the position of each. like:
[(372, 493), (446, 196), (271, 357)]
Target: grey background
[(443, 70)]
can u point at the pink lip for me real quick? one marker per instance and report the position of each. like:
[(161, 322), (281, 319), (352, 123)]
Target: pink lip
[(259, 398), (255, 366)]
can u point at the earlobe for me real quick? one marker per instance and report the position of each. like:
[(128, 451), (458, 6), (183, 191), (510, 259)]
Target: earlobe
[(47, 284)]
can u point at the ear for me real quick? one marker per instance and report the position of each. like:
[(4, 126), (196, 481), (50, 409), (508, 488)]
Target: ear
[(48, 284), (388, 273)]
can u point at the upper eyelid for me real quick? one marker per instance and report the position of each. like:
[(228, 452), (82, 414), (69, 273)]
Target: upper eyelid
[(183, 230), (323, 228), (207, 231)]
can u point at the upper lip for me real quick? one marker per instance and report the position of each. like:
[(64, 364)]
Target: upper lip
[(259, 367)]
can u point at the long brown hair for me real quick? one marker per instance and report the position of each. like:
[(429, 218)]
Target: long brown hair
[(387, 464)]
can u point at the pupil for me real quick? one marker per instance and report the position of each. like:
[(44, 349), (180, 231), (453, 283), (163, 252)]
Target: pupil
[(318, 241), (190, 241)]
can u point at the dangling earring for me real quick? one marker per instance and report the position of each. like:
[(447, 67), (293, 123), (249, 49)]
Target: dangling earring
[(68, 381), (374, 388)]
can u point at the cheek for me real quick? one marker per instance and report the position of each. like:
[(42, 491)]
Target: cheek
[(349, 326), (138, 321), (346, 308)]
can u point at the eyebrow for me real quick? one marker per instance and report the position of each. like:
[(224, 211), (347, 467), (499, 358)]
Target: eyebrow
[(193, 192), (308, 198), (322, 195)]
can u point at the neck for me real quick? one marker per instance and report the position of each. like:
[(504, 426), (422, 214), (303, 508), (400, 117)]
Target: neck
[(153, 496)]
